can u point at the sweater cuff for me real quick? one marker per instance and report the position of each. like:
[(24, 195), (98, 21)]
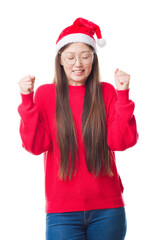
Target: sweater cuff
[(123, 96), (27, 99)]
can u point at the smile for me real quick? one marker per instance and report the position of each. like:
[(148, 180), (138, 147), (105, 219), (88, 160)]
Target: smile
[(78, 71)]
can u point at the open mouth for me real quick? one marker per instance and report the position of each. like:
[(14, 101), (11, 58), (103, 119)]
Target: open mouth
[(78, 71)]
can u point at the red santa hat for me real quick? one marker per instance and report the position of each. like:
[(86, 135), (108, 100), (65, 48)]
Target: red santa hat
[(82, 30)]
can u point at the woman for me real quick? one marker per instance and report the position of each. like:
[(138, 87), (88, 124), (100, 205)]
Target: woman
[(78, 122)]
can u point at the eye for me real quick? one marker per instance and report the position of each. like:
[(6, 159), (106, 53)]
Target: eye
[(85, 57), (70, 58)]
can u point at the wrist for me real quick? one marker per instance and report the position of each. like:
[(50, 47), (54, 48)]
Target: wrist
[(27, 99), (123, 96), (25, 92), (122, 88)]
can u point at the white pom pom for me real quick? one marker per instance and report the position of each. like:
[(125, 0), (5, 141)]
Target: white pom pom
[(101, 42)]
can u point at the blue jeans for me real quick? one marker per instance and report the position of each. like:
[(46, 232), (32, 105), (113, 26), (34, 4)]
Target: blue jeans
[(101, 224)]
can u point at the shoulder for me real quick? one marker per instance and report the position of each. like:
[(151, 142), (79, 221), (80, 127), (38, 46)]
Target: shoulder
[(43, 92), (108, 89), (109, 95), (107, 86), (45, 88)]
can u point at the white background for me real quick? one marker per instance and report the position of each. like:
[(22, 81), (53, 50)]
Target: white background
[(29, 30)]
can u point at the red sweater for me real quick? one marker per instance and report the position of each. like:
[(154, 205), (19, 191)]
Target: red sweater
[(38, 133)]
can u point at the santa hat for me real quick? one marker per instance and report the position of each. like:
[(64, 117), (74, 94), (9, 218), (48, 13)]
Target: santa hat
[(82, 30)]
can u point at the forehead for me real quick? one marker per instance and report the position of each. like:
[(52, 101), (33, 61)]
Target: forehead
[(77, 47)]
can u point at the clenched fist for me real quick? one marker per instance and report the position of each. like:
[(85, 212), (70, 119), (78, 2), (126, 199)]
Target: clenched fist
[(121, 79), (26, 84)]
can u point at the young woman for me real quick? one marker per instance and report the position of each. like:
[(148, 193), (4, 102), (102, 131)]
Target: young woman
[(78, 122)]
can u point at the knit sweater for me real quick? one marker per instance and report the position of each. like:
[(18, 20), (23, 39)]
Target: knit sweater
[(38, 133)]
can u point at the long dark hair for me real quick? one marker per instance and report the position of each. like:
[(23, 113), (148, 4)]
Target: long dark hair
[(97, 154)]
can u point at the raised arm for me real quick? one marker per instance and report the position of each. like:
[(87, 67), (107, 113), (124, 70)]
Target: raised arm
[(121, 124), (33, 128)]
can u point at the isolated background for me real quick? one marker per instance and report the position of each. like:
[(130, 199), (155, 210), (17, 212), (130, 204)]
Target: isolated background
[(29, 30)]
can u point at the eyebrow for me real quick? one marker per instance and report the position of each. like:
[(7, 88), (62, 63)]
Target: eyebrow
[(81, 52)]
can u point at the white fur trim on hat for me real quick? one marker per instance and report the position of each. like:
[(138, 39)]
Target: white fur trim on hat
[(75, 37)]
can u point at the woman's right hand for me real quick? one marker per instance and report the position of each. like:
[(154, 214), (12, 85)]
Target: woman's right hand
[(26, 84)]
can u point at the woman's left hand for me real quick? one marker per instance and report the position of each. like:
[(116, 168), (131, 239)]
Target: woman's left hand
[(121, 80)]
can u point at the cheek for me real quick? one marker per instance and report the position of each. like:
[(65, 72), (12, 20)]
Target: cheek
[(67, 70), (89, 69)]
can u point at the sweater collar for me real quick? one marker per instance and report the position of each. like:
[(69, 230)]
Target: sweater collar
[(77, 88)]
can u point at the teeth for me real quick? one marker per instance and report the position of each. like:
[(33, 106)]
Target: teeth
[(78, 71)]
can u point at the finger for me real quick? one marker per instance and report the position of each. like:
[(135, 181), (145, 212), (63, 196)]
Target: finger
[(25, 80), (117, 69), (123, 81), (28, 77), (32, 77), (124, 78), (27, 83), (27, 87), (120, 73)]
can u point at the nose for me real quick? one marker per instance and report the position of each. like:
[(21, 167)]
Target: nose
[(78, 61)]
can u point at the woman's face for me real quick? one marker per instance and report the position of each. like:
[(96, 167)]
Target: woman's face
[(77, 61)]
